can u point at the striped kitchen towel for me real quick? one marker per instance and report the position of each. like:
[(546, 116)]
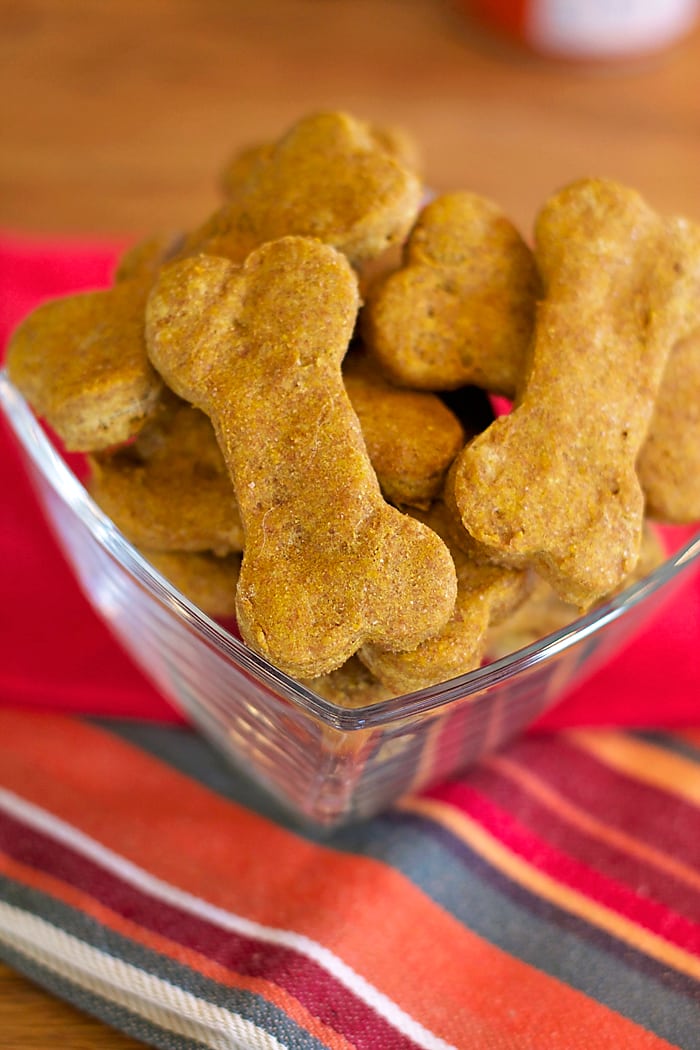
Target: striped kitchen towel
[(548, 900)]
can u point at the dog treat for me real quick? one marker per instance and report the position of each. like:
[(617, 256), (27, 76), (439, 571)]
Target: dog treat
[(207, 580), (393, 140), (398, 143), (411, 436), (81, 363), (170, 490), (461, 309), (293, 410), (553, 484), (326, 178), (241, 166), (144, 259), (669, 463), (328, 564), (543, 612), (485, 594), (351, 686)]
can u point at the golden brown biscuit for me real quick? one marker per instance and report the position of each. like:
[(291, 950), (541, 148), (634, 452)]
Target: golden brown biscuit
[(485, 594), (207, 580), (170, 489), (326, 178), (669, 463), (143, 260), (397, 142), (553, 484), (328, 564), (461, 309), (351, 686), (81, 363), (543, 612), (239, 167), (411, 436)]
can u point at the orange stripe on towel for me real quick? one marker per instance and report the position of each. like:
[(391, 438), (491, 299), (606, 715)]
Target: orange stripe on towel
[(644, 761), (543, 885), (86, 904), (456, 984)]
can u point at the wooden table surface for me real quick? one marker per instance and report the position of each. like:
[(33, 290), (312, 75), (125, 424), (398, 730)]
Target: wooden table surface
[(117, 117)]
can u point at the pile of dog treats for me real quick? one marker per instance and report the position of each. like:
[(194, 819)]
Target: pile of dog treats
[(288, 409)]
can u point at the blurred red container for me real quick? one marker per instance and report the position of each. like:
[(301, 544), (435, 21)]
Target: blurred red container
[(589, 29)]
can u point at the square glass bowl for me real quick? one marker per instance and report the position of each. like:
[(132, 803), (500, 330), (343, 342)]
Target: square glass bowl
[(326, 764)]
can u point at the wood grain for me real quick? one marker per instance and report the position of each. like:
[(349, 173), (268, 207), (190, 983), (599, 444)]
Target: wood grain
[(32, 1020), (115, 118)]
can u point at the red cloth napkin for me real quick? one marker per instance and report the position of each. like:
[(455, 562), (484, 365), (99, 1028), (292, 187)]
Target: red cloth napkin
[(56, 654)]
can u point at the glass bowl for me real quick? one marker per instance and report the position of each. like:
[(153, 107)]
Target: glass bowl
[(326, 764)]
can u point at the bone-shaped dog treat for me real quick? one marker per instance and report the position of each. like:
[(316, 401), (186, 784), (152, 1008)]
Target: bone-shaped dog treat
[(170, 490), (81, 363), (411, 436), (669, 463), (143, 260), (485, 594), (393, 140), (554, 484), (351, 686), (326, 178), (461, 308), (207, 580), (241, 165), (328, 565), (544, 612)]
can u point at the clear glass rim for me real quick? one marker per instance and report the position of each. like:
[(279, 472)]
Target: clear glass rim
[(37, 446)]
